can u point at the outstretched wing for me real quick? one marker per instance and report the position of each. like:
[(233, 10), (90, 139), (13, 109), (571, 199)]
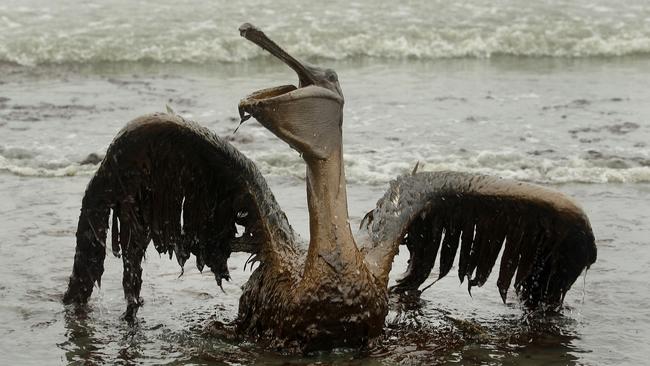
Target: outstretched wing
[(176, 183), (548, 238)]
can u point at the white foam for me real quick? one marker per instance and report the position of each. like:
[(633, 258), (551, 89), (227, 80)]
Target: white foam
[(202, 41), (383, 166), (380, 168), (45, 169)]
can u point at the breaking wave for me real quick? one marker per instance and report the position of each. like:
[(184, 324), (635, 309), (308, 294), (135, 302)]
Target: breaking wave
[(206, 32), (434, 45), (25, 163), (376, 169)]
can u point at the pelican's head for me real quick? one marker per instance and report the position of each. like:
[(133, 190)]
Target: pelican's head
[(308, 117)]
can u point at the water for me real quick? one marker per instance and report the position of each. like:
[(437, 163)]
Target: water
[(554, 93), (39, 31)]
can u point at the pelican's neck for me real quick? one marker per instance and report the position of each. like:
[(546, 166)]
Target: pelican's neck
[(331, 245)]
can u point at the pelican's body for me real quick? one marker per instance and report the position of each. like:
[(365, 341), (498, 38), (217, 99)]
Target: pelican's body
[(160, 167), (330, 282)]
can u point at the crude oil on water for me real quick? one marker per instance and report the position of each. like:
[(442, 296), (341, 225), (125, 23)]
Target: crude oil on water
[(553, 92)]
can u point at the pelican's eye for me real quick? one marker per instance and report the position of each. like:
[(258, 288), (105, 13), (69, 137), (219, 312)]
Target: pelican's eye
[(331, 76)]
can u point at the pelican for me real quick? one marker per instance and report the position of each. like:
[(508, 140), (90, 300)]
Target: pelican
[(168, 180)]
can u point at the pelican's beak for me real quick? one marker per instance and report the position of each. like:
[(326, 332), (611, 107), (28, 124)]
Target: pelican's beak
[(253, 34), (302, 116)]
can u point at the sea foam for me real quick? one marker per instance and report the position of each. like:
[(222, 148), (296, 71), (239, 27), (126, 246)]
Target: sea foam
[(377, 169), (206, 32)]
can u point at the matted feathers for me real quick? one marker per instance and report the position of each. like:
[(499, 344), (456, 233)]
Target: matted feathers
[(542, 236), (175, 183)]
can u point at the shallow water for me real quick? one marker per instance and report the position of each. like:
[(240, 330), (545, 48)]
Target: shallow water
[(509, 117), (561, 101)]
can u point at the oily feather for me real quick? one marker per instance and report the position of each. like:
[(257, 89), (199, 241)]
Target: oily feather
[(542, 235), (175, 183)]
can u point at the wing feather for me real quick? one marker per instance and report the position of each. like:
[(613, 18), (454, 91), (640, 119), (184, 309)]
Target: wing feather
[(450, 243), (544, 238), (175, 183)]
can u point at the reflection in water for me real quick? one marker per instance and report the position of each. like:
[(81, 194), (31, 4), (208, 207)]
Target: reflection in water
[(88, 344), (419, 332), (81, 344), (415, 333), (529, 339)]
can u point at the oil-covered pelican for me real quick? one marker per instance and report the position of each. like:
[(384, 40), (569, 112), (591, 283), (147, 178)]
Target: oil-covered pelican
[(175, 183)]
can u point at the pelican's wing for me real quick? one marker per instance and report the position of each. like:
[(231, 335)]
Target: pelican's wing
[(176, 183), (548, 239)]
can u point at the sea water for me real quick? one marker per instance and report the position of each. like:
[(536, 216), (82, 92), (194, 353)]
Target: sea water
[(554, 93)]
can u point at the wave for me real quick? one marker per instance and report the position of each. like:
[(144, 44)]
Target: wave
[(32, 52), (206, 32), (23, 163), (378, 169)]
